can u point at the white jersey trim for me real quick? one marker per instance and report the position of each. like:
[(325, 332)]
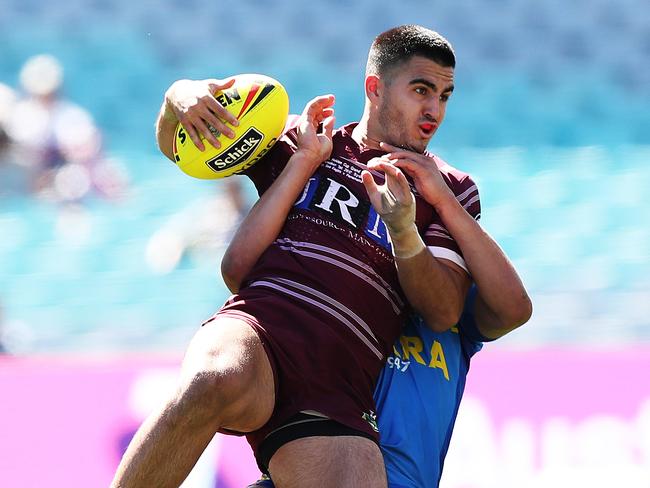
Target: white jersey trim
[(467, 193), (449, 255), (372, 278), (326, 299), (334, 313)]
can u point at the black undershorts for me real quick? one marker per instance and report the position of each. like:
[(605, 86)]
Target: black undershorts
[(302, 425)]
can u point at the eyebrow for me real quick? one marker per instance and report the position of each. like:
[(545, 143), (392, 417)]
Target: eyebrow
[(422, 81)]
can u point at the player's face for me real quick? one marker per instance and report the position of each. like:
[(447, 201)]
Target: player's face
[(413, 101)]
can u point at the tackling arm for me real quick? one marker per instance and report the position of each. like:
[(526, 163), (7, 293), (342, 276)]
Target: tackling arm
[(502, 303), (264, 222), (266, 219)]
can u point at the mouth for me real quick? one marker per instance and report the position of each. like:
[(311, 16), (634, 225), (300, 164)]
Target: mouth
[(428, 128)]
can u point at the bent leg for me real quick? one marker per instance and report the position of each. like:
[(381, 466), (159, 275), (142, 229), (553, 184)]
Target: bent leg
[(226, 381), (328, 462)]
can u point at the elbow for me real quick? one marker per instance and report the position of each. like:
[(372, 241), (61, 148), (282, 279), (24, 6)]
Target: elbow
[(524, 310), (165, 147), (229, 272), (442, 320), (520, 312)]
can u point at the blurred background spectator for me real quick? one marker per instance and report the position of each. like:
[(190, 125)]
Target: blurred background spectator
[(200, 232), (56, 140), (13, 179)]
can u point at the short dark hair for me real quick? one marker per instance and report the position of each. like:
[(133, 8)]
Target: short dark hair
[(399, 44)]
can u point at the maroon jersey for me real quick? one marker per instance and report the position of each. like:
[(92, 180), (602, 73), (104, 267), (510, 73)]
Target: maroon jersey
[(324, 298), (333, 253)]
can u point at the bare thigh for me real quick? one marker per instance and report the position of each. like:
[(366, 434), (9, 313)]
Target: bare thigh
[(328, 462), (227, 362)]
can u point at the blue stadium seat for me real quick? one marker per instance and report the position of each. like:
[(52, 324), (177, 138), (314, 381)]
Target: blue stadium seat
[(553, 122)]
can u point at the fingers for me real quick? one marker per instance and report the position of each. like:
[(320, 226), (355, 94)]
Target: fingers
[(319, 103), (395, 152), (215, 114), (219, 85), (389, 147), (326, 112), (223, 114), (406, 165), (378, 163), (398, 185), (318, 111), (387, 165), (197, 126), (316, 106), (215, 87), (203, 117), (328, 126), (372, 189), (193, 135), (395, 180)]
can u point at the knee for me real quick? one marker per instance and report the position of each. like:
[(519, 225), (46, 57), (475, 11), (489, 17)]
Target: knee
[(212, 390), (226, 376)]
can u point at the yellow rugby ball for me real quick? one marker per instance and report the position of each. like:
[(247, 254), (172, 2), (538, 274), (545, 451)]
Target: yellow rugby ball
[(261, 105)]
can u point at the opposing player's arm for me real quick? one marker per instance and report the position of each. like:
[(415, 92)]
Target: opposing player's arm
[(192, 103), (436, 288), (502, 303), (264, 221), (267, 217)]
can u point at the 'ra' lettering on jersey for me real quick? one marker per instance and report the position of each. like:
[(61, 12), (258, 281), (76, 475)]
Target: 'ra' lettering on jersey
[(412, 350)]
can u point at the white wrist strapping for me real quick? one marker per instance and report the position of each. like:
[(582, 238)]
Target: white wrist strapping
[(407, 244)]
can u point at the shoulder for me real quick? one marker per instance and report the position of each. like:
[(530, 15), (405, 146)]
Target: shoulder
[(456, 179), (267, 169), (463, 186)]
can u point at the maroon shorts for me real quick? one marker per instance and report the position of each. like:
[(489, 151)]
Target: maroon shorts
[(316, 367)]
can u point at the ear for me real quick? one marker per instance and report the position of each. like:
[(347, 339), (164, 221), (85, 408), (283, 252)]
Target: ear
[(372, 87)]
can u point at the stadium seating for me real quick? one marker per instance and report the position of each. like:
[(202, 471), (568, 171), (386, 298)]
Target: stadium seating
[(551, 114)]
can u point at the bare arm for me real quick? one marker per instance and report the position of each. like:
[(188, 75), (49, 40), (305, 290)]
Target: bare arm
[(267, 217), (192, 103), (436, 288), (264, 222), (502, 303)]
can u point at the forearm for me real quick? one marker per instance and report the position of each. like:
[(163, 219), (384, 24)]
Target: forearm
[(503, 302), (436, 291), (264, 222), (166, 124)]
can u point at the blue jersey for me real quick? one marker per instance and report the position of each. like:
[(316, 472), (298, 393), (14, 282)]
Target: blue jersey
[(418, 394)]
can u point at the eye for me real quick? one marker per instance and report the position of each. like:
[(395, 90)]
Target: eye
[(444, 97), (421, 90)]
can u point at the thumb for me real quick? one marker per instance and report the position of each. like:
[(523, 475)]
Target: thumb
[(219, 85)]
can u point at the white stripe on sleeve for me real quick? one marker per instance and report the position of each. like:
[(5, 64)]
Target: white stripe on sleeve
[(448, 254)]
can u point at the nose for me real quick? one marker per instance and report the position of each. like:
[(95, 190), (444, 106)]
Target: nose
[(432, 110)]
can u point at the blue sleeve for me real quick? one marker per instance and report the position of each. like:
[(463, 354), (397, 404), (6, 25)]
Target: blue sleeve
[(467, 324)]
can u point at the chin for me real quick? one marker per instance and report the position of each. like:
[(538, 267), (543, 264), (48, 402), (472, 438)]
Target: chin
[(419, 146)]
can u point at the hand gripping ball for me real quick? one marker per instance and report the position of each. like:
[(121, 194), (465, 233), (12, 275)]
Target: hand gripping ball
[(261, 105)]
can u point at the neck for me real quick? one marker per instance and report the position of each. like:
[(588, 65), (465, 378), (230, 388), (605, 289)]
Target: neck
[(364, 136)]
